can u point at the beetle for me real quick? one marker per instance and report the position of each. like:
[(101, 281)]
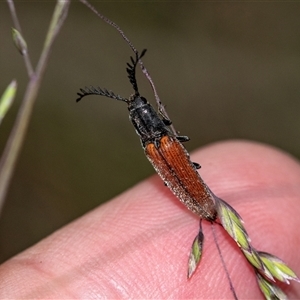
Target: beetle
[(164, 149)]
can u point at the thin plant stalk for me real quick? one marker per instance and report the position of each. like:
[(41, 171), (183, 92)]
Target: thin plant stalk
[(16, 22), (17, 135)]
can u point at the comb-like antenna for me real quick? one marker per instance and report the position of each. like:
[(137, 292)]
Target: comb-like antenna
[(98, 91), (160, 106), (131, 70)]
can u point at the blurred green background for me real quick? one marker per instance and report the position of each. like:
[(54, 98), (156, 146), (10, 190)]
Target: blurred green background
[(225, 71)]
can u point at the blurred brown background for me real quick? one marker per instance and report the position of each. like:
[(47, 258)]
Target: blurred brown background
[(225, 71)]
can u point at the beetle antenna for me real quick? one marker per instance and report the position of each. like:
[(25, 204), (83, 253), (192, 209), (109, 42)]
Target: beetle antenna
[(87, 91), (161, 107), (131, 70)]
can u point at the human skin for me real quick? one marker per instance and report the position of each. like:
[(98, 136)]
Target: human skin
[(137, 245)]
